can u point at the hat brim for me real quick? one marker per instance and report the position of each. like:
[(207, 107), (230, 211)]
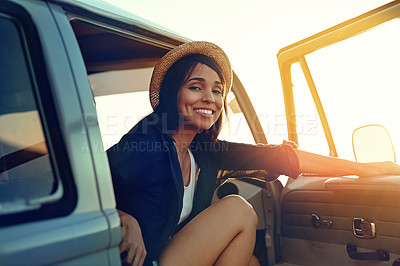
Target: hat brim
[(197, 47)]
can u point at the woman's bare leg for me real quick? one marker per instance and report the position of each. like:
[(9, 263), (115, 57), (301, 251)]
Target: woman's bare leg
[(223, 234), (254, 261)]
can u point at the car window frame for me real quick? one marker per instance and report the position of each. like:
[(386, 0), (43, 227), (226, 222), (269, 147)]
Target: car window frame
[(295, 53), (41, 89)]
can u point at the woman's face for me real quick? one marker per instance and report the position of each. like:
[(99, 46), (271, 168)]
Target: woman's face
[(200, 99)]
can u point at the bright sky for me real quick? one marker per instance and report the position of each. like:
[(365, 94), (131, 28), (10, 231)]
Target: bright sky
[(251, 32)]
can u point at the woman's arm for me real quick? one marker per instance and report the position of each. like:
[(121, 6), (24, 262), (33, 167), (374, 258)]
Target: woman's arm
[(279, 159), (324, 165)]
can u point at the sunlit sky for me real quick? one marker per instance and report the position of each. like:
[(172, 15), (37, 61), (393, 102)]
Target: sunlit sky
[(251, 32)]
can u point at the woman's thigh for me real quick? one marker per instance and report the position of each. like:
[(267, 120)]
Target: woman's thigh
[(205, 237)]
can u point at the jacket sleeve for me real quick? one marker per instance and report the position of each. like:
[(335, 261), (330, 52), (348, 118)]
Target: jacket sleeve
[(279, 159)]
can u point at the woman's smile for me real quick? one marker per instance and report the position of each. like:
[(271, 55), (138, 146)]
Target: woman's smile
[(200, 98), (204, 111)]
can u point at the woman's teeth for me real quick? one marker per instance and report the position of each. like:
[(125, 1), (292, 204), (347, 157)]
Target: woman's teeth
[(204, 111)]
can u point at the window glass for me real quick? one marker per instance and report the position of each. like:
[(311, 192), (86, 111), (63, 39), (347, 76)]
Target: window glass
[(26, 175), (235, 127), (310, 133), (118, 113), (358, 82)]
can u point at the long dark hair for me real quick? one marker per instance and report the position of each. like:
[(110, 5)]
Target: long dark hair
[(172, 82)]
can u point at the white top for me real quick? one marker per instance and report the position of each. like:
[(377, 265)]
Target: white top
[(189, 190)]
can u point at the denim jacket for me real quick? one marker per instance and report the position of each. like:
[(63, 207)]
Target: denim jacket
[(148, 181)]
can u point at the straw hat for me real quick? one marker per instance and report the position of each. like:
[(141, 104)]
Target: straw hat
[(198, 47)]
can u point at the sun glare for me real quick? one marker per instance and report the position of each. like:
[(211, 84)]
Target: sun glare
[(356, 80)]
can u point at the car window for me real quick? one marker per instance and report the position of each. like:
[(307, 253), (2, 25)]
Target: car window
[(357, 80), (118, 113), (28, 181), (309, 128), (235, 127)]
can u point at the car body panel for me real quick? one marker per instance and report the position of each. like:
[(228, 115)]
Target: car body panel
[(86, 224)]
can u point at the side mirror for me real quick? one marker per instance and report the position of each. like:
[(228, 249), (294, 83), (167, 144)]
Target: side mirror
[(372, 143)]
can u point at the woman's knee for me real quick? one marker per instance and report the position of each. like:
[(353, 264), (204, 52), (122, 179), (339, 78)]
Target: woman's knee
[(240, 208)]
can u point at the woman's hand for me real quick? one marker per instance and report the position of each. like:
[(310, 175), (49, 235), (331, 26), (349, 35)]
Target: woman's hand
[(132, 240), (379, 168)]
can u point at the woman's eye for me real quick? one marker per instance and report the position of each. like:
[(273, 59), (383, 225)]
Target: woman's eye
[(194, 88), (217, 91)]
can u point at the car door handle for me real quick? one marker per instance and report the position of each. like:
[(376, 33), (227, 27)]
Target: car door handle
[(316, 221), (380, 254)]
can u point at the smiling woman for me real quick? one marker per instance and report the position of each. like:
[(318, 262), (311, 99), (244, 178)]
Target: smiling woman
[(200, 99), (164, 191), (194, 91), (174, 181)]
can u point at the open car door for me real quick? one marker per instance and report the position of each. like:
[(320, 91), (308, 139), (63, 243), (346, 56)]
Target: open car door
[(350, 76)]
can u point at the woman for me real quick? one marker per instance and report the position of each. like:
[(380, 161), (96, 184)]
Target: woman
[(164, 170)]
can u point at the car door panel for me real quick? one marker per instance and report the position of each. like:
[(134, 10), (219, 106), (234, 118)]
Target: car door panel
[(338, 200)]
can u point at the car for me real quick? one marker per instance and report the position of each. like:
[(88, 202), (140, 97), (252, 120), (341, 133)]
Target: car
[(75, 78)]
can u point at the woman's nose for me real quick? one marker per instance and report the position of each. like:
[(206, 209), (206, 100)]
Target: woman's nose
[(208, 96)]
